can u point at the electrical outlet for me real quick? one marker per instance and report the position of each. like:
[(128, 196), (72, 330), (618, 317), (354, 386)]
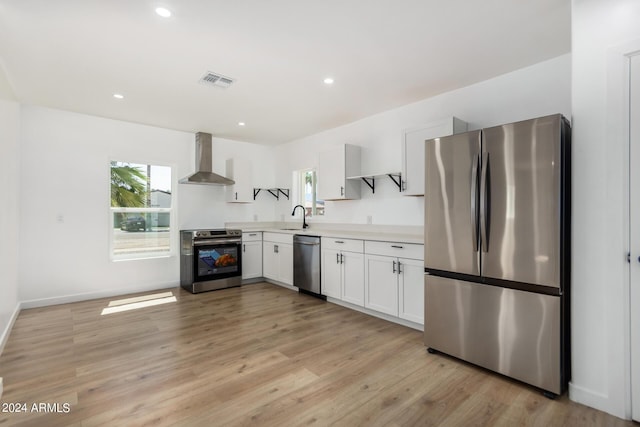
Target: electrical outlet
[(369, 219)]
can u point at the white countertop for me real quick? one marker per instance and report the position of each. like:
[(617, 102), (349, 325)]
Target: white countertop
[(345, 234)]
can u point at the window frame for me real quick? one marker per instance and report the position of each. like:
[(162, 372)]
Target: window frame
[(172, 211), (299, 186)]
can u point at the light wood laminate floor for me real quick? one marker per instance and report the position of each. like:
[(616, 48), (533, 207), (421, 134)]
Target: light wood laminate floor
[(256, 355)]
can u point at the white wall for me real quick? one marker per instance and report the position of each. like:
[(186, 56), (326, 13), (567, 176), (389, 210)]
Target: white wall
[(9, 213), (64, 173), (544, 88), (600, 324), (207, 206)]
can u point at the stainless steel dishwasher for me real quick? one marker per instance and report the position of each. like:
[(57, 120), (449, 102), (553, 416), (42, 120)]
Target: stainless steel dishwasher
[(306, 264)]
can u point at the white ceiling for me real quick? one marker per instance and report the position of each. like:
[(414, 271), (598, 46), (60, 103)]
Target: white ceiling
[(75, 54)]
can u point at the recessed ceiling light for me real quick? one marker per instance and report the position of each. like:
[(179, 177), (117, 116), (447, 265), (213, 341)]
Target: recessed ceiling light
[(118, 95), (328, 81), (165, 13), (241, 123)]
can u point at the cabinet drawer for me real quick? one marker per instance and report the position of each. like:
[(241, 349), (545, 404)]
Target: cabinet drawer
[(277, 237), (395, 249), (339, 244), (252, 236)]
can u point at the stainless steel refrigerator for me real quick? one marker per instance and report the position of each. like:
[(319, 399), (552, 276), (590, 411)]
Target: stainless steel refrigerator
[(497, 241)]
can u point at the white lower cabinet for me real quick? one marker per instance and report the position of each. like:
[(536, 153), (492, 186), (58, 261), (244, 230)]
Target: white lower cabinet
[(331, 276), (381, 293), (251, 255), (285, 264), (353, 277), (270, 260), (395, 285), (343, 270), (277, 257), (411, 290)]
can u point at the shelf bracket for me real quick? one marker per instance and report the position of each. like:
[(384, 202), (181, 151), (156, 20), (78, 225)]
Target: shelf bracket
[(282, 191), (371, 182), (398, 182), (276, 194)]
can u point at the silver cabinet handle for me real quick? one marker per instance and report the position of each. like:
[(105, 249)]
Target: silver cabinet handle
[(244, 247), (341, 259), (399, 270), (397, 246), (394, 267), (275, 248), (337, 258), (338, 241), (253, 234), (342, 191)]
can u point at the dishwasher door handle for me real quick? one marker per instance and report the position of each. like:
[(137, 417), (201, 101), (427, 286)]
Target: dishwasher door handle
[(306, 243)]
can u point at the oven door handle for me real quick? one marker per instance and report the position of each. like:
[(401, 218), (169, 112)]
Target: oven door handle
[(216, 242)]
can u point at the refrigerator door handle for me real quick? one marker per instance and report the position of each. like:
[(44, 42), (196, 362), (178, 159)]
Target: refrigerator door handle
[(484, 203), (474, 202)]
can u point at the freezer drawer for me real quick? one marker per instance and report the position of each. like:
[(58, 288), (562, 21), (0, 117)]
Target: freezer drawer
[(512, 332)]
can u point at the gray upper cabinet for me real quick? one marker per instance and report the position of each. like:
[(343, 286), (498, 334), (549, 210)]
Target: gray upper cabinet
[(413, 140)]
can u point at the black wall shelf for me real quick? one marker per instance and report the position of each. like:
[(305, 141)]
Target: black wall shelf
[(275, 192), (370, 180)]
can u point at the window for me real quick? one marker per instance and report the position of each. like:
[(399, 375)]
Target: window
[(306, 184), (141, 205)]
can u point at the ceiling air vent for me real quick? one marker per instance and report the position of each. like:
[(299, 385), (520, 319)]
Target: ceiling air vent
[(218, 80)]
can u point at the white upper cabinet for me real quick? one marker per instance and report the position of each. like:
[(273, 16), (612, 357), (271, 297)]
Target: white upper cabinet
[(334, 166), (241, 171), (413, 156)]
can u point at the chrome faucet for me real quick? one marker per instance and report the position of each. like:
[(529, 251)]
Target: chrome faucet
[(304, 215)]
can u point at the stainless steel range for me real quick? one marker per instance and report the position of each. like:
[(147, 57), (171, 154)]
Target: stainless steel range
[(210, 259)]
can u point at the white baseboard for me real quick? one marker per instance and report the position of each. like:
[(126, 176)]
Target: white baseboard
[(591, 398), (7, 330), (377, 314), (284, 285), (43, 302)]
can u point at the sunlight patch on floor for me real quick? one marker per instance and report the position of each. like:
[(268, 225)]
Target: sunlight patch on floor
[(134, 303), (140, 298)]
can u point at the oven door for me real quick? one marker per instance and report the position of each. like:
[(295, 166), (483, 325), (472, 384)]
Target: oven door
[(216, 260)]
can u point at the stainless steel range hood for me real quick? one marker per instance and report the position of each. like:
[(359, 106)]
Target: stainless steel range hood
[(204, 172)]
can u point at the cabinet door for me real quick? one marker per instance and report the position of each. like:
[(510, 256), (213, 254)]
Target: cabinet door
[(331, 277), (251, 260), (331, 174), (353, 277), (270, 260), (334, 166), (381, 290), (413, 151), (241, 171), (411, 290), (285, 263)]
